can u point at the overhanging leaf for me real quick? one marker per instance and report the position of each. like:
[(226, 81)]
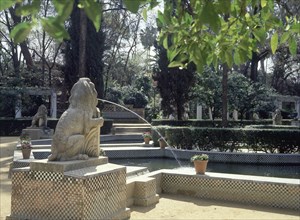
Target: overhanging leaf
[(228, 58), (284, 37), (5, 4), (237, 58), (175, 64), (93, 11), (296, 27), (274, 42), (263, 3), (144, 14), (210, 16), (172, 54), (293, 46), (55, 28), (20, 32), (260, 34), (63, 8), (165, 42), (29, 9), (133, 5)]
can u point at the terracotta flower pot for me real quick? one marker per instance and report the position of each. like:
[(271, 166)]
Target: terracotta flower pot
[(147, 140), (200, 166), (162, 144), (26, 153)]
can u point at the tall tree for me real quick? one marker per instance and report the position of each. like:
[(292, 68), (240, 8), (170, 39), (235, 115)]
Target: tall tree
[(94, 48), (173, 84)]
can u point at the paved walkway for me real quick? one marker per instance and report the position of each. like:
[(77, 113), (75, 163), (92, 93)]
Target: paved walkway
[(169, 206)]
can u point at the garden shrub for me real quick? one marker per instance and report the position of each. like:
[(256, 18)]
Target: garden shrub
[(233, 139), (215, 123)]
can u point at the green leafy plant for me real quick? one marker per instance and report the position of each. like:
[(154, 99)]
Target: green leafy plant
[(25, 141), (199, 157), (147, 135)]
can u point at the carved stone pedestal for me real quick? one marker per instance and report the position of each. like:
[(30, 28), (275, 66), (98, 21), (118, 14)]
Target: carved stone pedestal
[(38, 133), (92, 189)]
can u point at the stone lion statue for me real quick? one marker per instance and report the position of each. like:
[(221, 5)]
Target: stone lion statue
[(40, 118), (77, 132), (277, 118)]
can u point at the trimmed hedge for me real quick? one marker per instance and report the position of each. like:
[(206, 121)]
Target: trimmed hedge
[(215, 123), (13, 127), (231, 139)]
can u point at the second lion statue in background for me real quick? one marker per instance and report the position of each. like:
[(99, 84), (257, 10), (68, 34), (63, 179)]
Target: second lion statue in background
[(77, 132)]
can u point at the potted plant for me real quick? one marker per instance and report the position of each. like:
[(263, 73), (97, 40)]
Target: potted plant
[(200, 163), (25, 142), (147, 137), (162, 142)]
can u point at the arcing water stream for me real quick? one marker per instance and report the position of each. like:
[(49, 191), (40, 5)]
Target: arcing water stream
[(113, 103)]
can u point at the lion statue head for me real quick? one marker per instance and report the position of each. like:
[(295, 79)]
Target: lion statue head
[(83, 94)]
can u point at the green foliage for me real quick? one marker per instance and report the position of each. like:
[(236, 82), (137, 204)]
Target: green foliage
[(233, 139), (7, 4), (208, 91), (13, 127), (143, 84), (133, 6), (148, 36), (54, 26), (215, 123), (93, 10), (230, 30), (135, 98), (94, 53), (7, 104), (21, 31), (174, 84), (28, 9), (114, 94), (244, 95), (199, 157)]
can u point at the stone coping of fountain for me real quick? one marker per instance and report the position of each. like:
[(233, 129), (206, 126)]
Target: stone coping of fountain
[(92, 171), (247, 189), (152, 152), (63, 166), (189, 171)]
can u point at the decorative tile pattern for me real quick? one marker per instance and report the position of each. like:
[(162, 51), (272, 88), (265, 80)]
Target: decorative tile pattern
[(244, 191), (50, 195), (145, 188)]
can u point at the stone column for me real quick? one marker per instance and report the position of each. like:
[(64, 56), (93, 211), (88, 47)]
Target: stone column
[(235, 115), (199, 112), (210, 113), (53, 110), (298, 108), (18, 107)]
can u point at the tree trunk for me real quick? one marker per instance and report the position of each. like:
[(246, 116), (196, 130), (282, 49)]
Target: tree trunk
[(254, 65), (16, 62), (225, 95), (24, 48), (82, 44)]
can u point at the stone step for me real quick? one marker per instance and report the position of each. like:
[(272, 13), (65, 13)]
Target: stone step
[(125, 145), (122, 138), (119, 130), (131, 125)]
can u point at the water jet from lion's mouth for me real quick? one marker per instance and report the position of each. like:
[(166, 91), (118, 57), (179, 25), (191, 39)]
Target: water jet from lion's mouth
[(116, 104)]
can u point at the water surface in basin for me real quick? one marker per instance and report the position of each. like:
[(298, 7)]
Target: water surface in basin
[(287, 171)]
